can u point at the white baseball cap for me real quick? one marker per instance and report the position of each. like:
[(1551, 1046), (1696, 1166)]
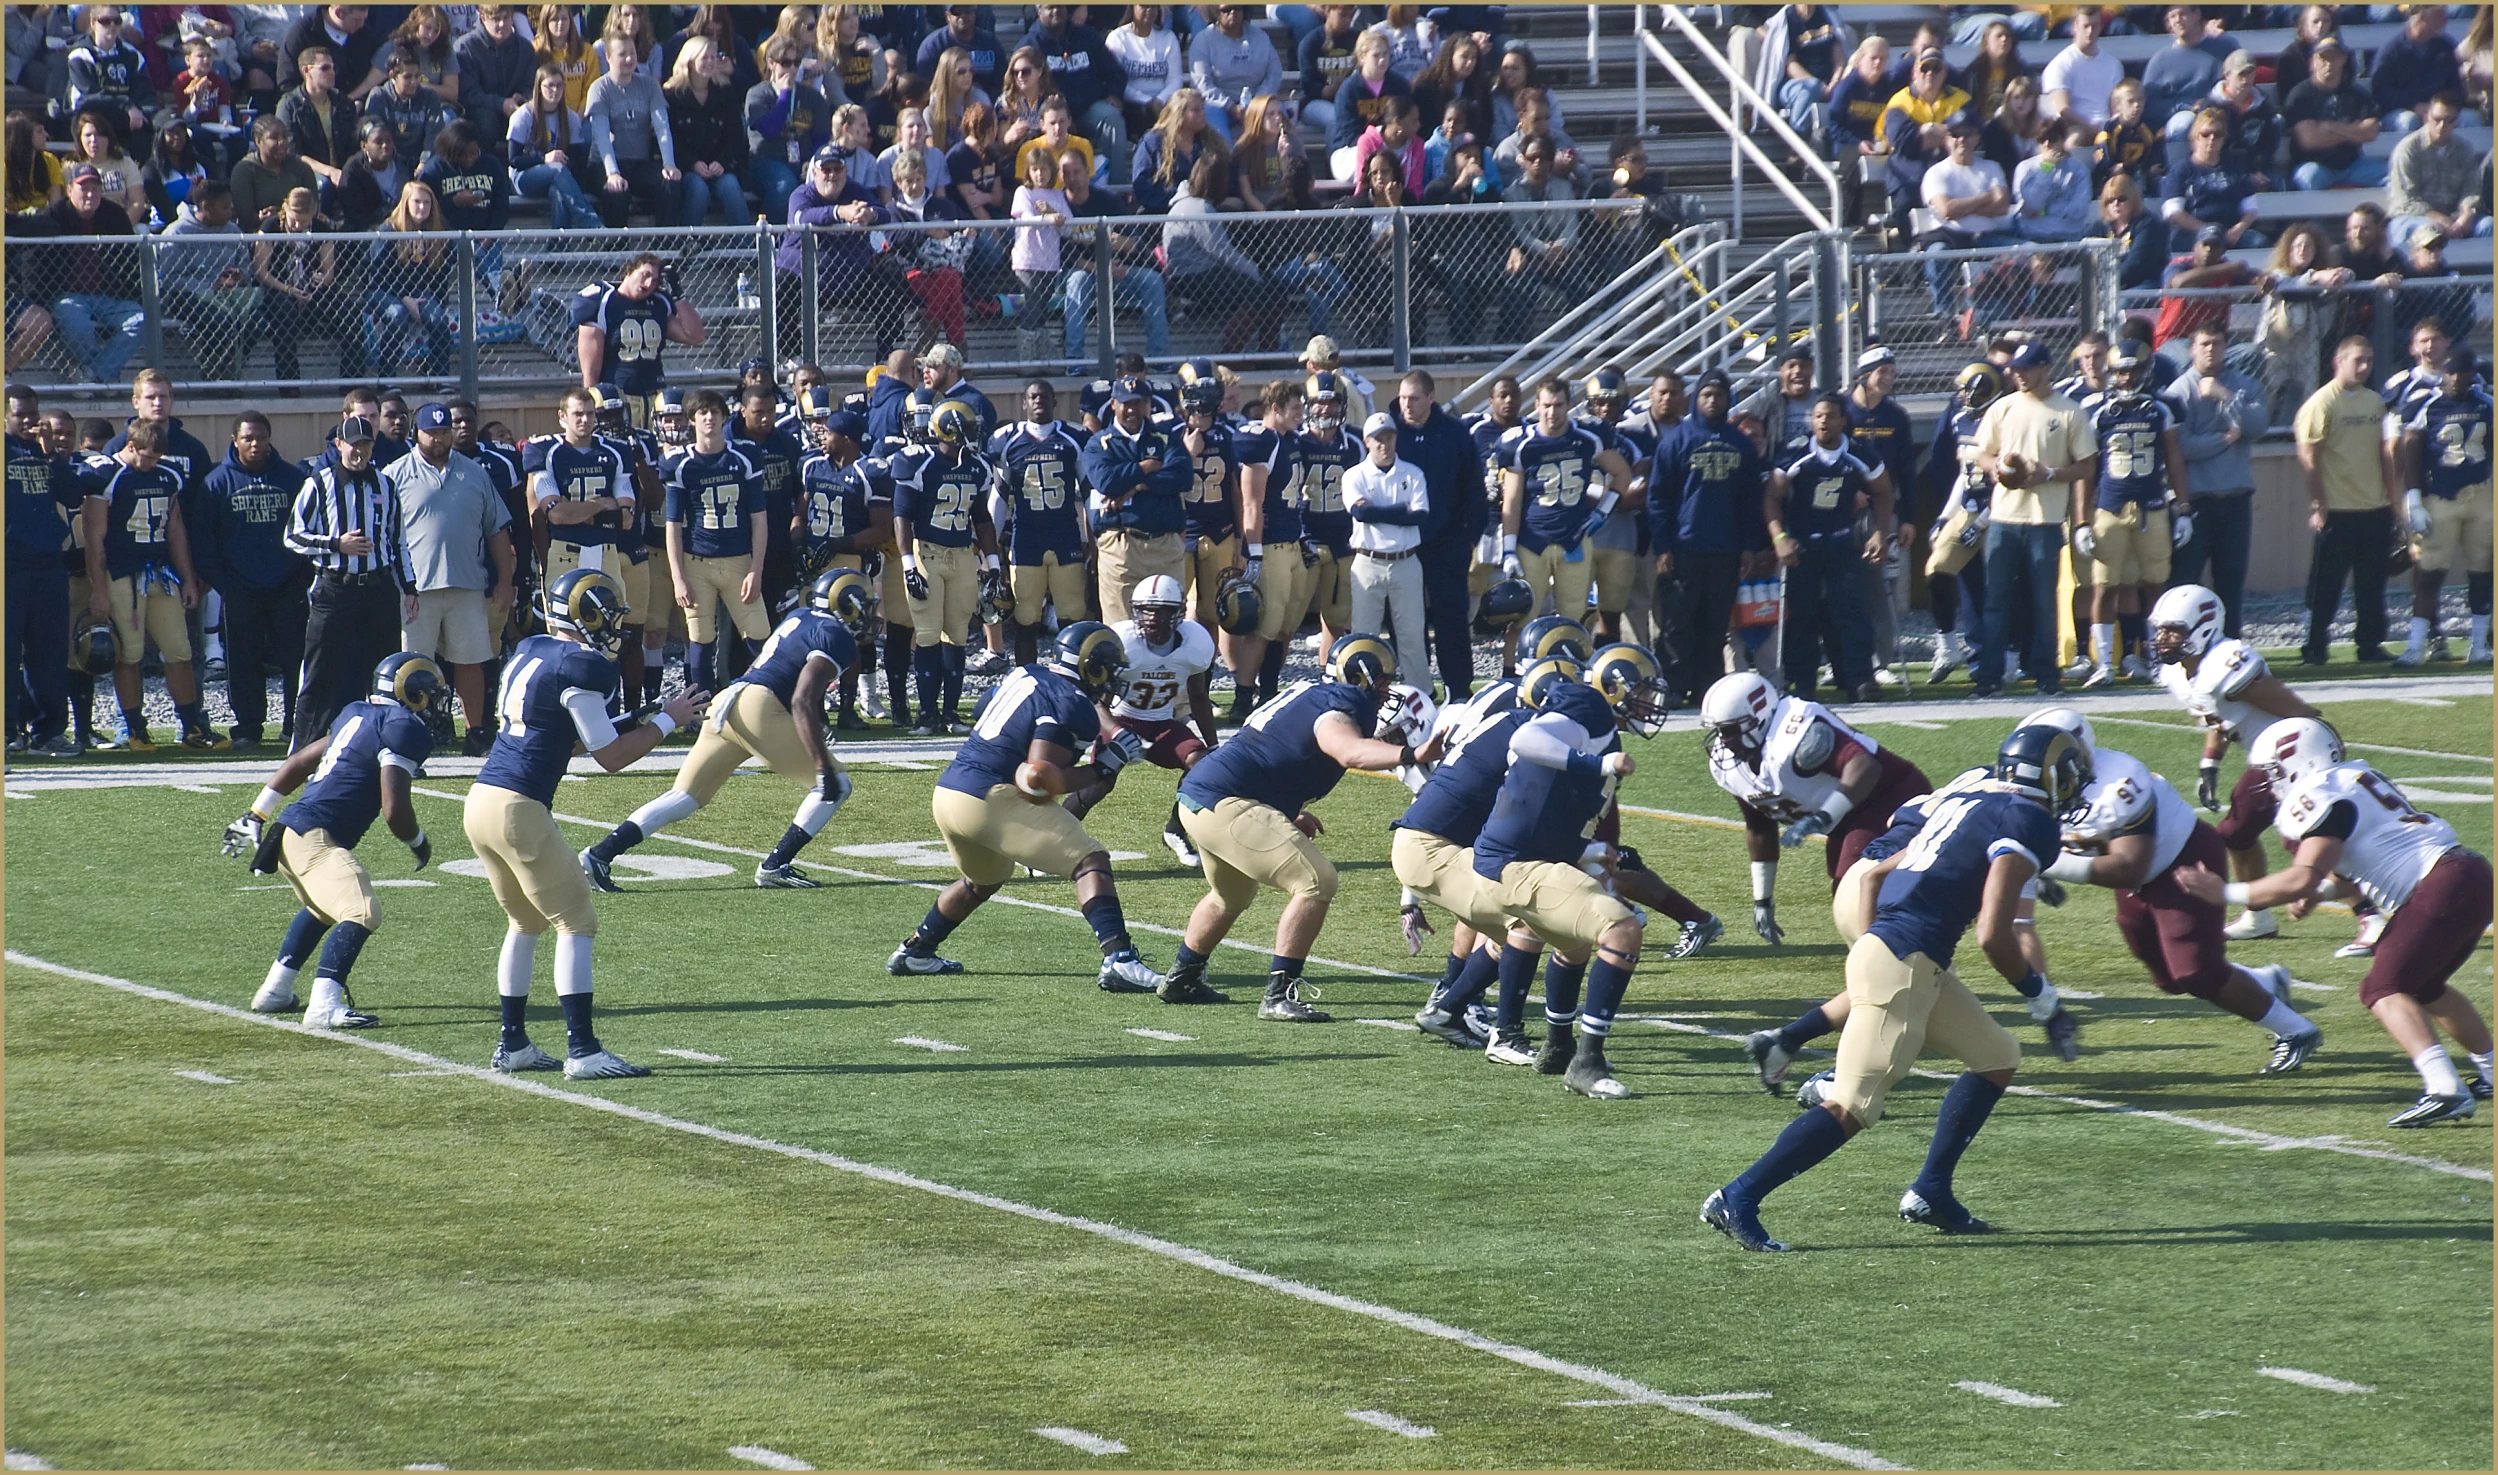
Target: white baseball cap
[(1379, 423)]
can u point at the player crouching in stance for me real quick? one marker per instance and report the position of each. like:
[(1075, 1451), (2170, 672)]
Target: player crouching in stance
[(556, 688), (774, 712), (1968, 864), (358, 770), (1246, 806), (2345, 824), (2134, 835), (997, 803), (1167, 658)]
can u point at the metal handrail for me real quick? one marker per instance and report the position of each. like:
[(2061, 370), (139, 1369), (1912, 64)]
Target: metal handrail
[(1635, 284), (1741, 94)]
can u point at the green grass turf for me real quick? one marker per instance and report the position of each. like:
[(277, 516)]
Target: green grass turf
[(329, 1264)]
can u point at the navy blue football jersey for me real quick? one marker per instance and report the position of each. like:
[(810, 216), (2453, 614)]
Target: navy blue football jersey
[(1488, 434), (801, 638), (637, 334), (833, 502), (938, 493), (44, 493), (138, 516), (1457, 801), (1323, 465), (344, 794), (1041, 479), (716, 498), (2455, 458), (558, 470), (1034, 702), (536, 741), (1910, 818), (1559, 472), (1281, 456), (2132, 432), (1208, 508), (1549, 814), (1824, 490), (1932, 895), (1275, 759), (776, 456)]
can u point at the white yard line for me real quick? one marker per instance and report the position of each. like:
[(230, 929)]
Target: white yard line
[(1635, 1402), (1164, 1035), (2013, 1396), (1526, 1357), (1091, 1444), (916, 1042), (1404, 1024), (2355, 747), (770, 1459), (400, 1075), (205, 1078), (1391, 1423), (695, 1055), (21, 1460), (2317, 1381)]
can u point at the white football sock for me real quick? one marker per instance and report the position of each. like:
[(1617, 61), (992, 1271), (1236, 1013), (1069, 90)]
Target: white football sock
[(2281, 1019), (2419, 640), (2437, 1071), (2044, 1006), (572, 963), (2103, 644), (520, 956), (2480, 630), (328, 993), (664, 811), (2487, 1065), (281, 976)]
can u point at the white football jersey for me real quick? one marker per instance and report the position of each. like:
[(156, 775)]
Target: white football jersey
[(2213, 692), (1799, 763), (1157, 679), (2391, 846), (1461, 721), (2126, 798)]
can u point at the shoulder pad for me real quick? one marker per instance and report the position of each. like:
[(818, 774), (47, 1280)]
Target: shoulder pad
[(1813, 746)]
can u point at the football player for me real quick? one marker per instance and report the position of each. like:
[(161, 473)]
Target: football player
[(1038, 502), (2135, 836), (774, 712), (556, 691), (1329, 449), (1550, 503), (1246, 807), (583, 494), (997, 804), (1956, 567), (1811, 507), (1966, 867), (2227, 687), (646, 581), (1613, 546), (949, 551), (2138, 512), (1210, 529), (2445, 450), (2350, 828), (359, 770), (1270, 521), (1167, 658), (718, 533), (139, 577), (1499, 421), (844, 514)]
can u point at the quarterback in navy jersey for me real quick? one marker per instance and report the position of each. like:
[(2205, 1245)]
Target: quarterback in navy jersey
[(556, 690), (998, 803), (1550, 502), (774, 712), (624, 328), (1245, 807), (1040, 487), (941, 483), (1432, 850), (1967, 867), (2138, 512), (2445, 450), (1814, 500), (356, 772)]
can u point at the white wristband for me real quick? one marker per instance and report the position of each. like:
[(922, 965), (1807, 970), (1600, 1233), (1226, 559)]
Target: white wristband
[(663, 724), (1836, 808), (1764, 879), (268, 804), (2234, 894), (910, 565), (1509, 543)]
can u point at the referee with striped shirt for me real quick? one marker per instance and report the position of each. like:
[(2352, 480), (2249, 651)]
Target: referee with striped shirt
[(346, 520)]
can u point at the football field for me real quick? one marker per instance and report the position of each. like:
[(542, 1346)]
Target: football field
[(1005, 1219)]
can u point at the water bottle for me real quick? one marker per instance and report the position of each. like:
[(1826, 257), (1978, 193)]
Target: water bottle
[(746, 289)]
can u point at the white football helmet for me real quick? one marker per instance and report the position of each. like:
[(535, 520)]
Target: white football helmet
[(1737, 708), (1157, 589), (2064, 719), (2296, 751), (1407, 714), (2192, 610)]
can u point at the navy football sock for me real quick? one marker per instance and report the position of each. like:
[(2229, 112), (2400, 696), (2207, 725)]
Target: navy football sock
[(1110, 928), (899, 662), (302, 936), (1449, 972), (1289, 967), (653, 673), (134, 720), (1271, 667), (338, 956), (1966, 1107), (954, 666), (1811, 1025), (1607, 981), (580, 1039), (2476, 591), (1473, 977), (515, 1021), (928, 665), (1187, 961), (1813, 1135), (698, 664), (934, 928), (793, 840), (617, 841), (188, 717), (1561, 989), (2132, 630), (1517, 971)]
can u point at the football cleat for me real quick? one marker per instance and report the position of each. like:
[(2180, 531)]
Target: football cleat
[(1739, 1222), (1285, 1004), (136, 742), (784, 876), (958, 729), (596, 870), (1189, 988), (923, 730), (601, 1065), (204, 739), (2252, 925), (2478, 1087), (1560, 1047), (1179, 847), (1457, 1029), (2289, 1052), (276, 998), (1590, 1075), (1770, 1059), (339, 1016), (1815, 1090), (905, 963), (1123, 972), (527, 1057), (1695, 937), (2430, 1109), (1509, 1047), (2371, 927), (1948, 1216), (2064, 1034)]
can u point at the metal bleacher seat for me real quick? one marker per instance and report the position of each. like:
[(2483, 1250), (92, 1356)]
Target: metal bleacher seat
[(2264, 44)]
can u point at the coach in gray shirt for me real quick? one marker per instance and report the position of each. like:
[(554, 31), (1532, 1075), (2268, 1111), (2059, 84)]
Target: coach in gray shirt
[(2220, 417), (459, 562)]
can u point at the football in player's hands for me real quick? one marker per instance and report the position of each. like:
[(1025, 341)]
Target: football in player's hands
[(2016, 469)]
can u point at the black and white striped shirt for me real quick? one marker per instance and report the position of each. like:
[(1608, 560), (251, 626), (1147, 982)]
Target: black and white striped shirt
[(335, 502)]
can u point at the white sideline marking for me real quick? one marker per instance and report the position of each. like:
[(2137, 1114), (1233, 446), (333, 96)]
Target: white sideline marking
[(940, 1046), (2013, 1396), (21, 1460), (398, 1075), (695, 1055), (205, 789), (1164, 1034), (1391, 1423), (1635, 1402), (1091, 1444), (2317, 1381), (2075, 993), (2316, 988), (425, 1467), (205, 1078), (397, 881), (770, 1459), (907, 764), (1526, 1357), (1921, 726), (2211, 1413), (2357, 747), (2424, 701), (1403, 1024)]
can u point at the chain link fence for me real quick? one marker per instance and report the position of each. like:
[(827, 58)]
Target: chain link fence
[(2283, 335), (1937, 308)]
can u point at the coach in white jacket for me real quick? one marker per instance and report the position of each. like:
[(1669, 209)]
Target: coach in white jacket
[(1388, 499)]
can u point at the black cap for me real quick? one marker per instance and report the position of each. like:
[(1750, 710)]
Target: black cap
[(352, 429)]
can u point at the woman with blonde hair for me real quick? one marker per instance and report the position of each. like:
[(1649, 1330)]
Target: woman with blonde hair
[(561, 45), (1266, 141), (707, 119), (1028, 87), (950, 90), (1166, 156), (2011, 136), (408, 289), (295, 268), (856, 62), (549, 145)]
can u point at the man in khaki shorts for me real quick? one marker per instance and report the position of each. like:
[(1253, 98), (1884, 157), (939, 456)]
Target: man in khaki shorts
[(455, 527), (2126, 534), (1270, 532), (718, 533)]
